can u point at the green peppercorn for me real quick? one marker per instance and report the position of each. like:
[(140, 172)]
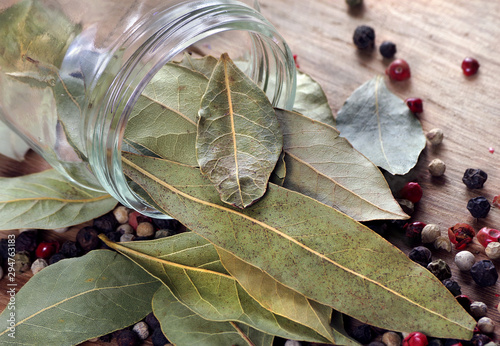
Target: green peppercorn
[(440, 269), (22, 262)]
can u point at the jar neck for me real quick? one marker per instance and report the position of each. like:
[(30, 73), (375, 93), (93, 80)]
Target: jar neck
[(150, 44)]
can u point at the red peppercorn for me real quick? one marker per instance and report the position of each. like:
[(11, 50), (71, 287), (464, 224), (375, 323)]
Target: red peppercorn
[(46, 249), (136, 218), (415, 104), (414, 230), (412, 191), (461, 234), (487, 235), (398, 70), (415, 339), (470, 66)]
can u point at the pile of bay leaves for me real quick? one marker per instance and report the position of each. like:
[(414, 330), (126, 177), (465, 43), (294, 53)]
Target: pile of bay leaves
[(273, 200)]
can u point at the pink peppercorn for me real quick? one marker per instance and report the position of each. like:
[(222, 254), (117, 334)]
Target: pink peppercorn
[(461, 234), (415, 104), (415, 339), (470, 66), (398, 70)]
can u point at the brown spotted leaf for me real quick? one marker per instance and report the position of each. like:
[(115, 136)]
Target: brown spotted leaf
[(239, 140)]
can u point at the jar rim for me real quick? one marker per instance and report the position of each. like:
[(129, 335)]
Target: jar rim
[(153, 42)]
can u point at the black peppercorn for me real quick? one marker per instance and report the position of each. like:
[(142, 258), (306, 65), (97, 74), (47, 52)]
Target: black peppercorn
[(106, 338), (421, 255), (106, 223), (478, 207), (170, 224), (56, 258), (143, 238), (387, 49), (114, 236), (362, 334), (435, 342), (453, 287), (69, 249), (474, 178), (88, 239), (27, 241), (364, 37), (127, 337), (480, 339), (484, 273), (464, 301), (440, 269), (152, 321), (453, 342), (4, 248), (376, 343), (158, 338)]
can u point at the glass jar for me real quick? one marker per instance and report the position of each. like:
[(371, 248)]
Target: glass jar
[(71, 72)]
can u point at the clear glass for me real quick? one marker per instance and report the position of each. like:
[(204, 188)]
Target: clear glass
[(71, 72)]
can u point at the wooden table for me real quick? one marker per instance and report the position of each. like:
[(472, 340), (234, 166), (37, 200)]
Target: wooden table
[(434, 37)]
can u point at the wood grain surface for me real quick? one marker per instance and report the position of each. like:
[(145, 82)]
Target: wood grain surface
[(433, 37)]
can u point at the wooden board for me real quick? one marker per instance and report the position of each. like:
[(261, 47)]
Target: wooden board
[(434, 37)]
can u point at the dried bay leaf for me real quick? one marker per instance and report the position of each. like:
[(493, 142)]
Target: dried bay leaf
[(11, 145), (204, 65), (311, 100), (325, 166), (380, 126), (185, 263), (46, 200), (78, 299), (238, 140), (184, 327), (305, 241)]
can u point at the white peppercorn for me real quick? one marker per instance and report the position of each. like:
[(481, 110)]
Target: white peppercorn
[(125, 228), (38, 265), (430, 233), (493, 250), (443, 242), (478, 309), (126, 237), (437, 167), (464, 260), (121, 214), (435, 136), (145, 229), (486, 325), (61, 230), (391, 339), (141, 328)]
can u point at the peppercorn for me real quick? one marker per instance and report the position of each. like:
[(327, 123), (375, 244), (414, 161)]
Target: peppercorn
[(480, 339), (38, 265), (56, 258), (398, 70), (125, 228), (435, 136), (412, 191), (464, 301), (474, 178), (391, 339), (106, 338), (470, 66), (353, 3), (121, 214), (452, 342), (158, 338), (407, 206), (170, 224), (435, 342), (430, 233), (376, 343), (46, 249), (492, 250), (142, 330), (70, 249), (364, 37), (127, 337), (478, 207), (127, 237), (22, 261), (105, 223), (27, 241), (453, 287), (415, 339), (486, 325), (461, 234), (114, 236), (484, 273), (437, 168), (421, 255), (465, 260), (440, 269), (145, 229), (387, 49), (414, 230), (478, 309), (135, 218), (162, 233), (415, 104), (443, 242), (88, 239), (362, 334), (152, 321), (487, 235), (4, 249)]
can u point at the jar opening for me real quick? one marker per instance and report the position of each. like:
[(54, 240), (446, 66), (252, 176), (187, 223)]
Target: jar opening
[(204, 27)]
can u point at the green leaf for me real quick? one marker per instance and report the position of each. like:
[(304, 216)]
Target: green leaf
[(78, 299), (311, 100), (181, 263), (283, 301), (299, 241), (164, 118), (380, 126), (184, 327), (47, 200), (326, 167), (204, 65), (11, 145), (239, 140)]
